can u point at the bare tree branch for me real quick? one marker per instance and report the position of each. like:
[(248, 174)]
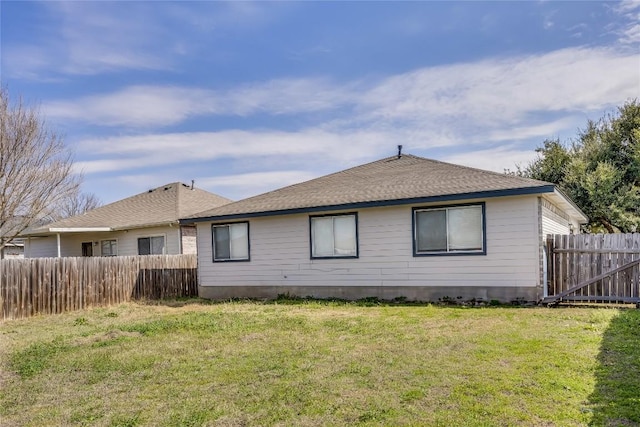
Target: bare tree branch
[(35, 169), (76, 204)]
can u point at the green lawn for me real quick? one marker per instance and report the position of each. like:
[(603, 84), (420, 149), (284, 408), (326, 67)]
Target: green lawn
[(321, 363)]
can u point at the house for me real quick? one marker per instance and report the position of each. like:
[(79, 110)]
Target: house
[(402, 226), (146, 223), (14, 250)]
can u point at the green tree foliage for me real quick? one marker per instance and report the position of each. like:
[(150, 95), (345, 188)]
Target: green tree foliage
[(599, 170)]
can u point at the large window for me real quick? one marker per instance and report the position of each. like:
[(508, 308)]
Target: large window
[(151, 245), (109, 247), (449, 230), (231, 242), (334, 236)]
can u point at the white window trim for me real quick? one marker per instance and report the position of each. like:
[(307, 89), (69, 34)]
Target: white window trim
[(110, 240)]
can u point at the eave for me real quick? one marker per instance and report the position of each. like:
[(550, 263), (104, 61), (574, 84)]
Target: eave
[(43, 232), (566, 204), (543, 189)]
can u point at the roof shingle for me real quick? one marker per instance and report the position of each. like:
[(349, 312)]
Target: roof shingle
[(159, 206), (390, 179)]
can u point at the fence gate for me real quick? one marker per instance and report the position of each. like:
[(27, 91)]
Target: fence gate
[(593, 268)]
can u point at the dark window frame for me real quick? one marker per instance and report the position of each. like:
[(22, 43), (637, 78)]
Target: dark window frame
[(414, 230), (311, 217), (213, 242)]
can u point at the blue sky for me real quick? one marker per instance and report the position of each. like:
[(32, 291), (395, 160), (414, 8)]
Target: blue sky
[(247, 97)]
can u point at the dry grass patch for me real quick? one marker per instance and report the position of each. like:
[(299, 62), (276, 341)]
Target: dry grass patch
[(313, 363)]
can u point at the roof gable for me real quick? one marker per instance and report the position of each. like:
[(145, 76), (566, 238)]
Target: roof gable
[(392, 180)]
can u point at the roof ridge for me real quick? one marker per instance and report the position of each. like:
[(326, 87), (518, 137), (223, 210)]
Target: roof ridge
[(398, 177), (318, 177)]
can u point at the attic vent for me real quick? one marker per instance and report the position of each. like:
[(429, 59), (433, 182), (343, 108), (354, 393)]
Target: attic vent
[(166, 188), (150, 191)]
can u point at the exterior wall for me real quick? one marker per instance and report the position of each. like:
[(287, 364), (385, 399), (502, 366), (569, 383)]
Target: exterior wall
[(40, 247), (189, 242), (555, 220), (280, 259), (13, 252), (552, 220), (71, 244)]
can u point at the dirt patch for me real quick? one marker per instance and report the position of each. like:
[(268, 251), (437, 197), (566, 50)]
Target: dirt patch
[(6, 377)]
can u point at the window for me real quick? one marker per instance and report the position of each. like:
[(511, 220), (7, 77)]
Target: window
[(109, 247), (334, 236), (231, 242), (151, 245), (449, 230)]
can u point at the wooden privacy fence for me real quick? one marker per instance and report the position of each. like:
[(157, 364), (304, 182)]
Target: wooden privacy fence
[(56, 285), (593, 268)]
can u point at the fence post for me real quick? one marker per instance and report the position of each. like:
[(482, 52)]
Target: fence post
[(56, 285), (549, 267)]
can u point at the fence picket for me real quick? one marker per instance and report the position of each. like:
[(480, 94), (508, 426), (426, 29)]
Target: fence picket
[(580, 264), (38, 286)]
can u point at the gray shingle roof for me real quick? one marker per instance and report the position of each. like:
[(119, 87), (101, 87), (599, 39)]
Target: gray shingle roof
[(159, 206), (391, 179)]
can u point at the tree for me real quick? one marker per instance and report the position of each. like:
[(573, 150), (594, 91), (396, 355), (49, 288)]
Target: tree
[(76, 204), (600, 170), (35, 169)]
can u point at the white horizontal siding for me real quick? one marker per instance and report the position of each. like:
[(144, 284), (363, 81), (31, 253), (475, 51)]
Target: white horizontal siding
[(280, 252), (555, 220), (71, 244), (40, 247)]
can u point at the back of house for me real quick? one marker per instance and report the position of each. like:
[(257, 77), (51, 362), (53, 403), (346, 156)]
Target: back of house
[(400, 227)]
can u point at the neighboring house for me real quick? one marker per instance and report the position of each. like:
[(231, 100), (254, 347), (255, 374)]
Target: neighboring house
[(14, 250), (143, 224), (12, 247), (399, 227)]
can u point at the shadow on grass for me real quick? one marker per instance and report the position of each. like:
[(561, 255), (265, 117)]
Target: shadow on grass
[(616, 397)]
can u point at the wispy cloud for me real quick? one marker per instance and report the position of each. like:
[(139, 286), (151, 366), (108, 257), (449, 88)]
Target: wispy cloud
[(496, 159), (500, 93), (251, 184), (91, 38), (137, 106), (160, 106), (631, 34), (546, 130), (627, 6), (237, 186), (148, 151), (629, 31), (489, 102)]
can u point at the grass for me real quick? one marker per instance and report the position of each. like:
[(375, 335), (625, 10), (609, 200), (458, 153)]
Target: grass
[(310, 363)]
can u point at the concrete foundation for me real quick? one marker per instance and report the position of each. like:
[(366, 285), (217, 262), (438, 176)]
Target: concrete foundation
[(410, 293)]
